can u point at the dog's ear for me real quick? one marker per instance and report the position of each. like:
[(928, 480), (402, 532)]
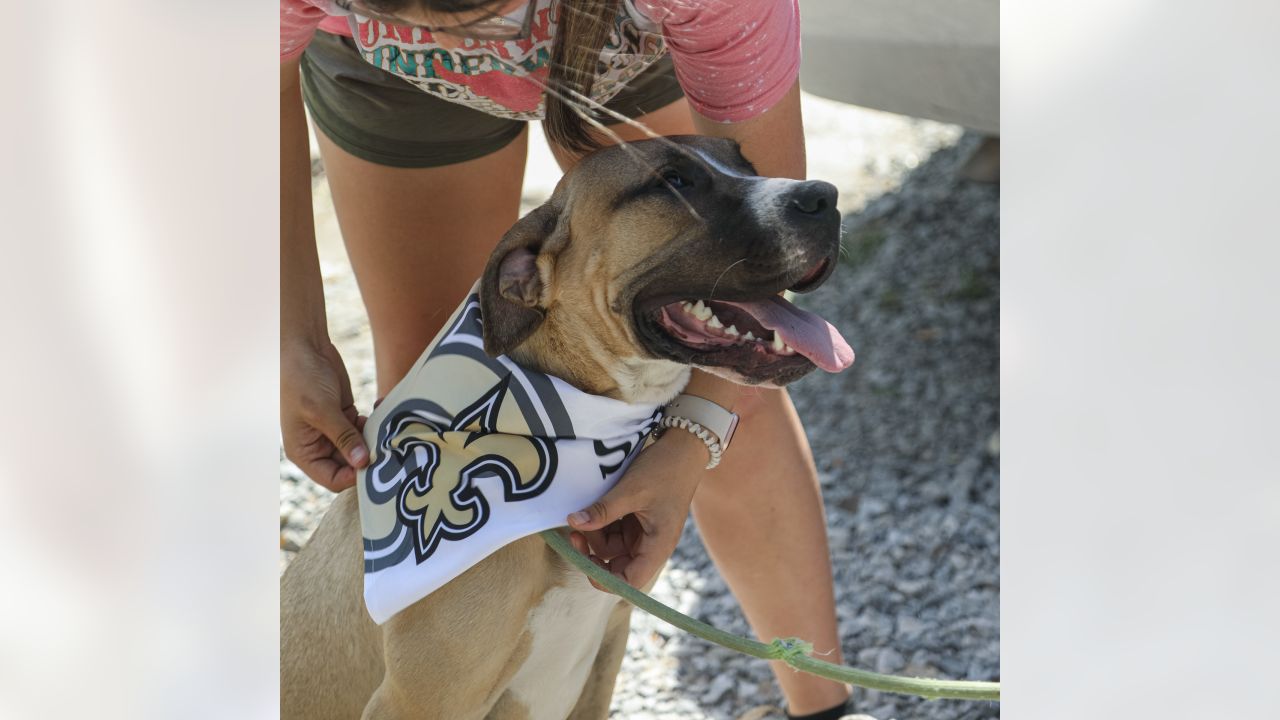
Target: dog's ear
[(512, 286)]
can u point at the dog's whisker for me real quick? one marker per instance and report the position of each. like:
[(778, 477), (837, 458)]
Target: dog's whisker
[(721, 276)]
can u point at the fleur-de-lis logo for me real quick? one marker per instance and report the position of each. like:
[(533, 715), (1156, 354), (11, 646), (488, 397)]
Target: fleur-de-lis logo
[(441, 463)]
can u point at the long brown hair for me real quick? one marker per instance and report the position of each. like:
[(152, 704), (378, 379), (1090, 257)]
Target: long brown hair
[(582, 29)]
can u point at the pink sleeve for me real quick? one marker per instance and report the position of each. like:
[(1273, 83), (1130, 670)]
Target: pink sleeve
[(298, 22), (734, 58)]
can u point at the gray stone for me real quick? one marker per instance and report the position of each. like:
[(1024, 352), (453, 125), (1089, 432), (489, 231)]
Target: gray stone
[(720, 687), (867, 657), (910, 627), (889, 661)]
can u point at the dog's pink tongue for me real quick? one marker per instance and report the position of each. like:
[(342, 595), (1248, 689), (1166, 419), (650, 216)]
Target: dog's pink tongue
[(805, 332)]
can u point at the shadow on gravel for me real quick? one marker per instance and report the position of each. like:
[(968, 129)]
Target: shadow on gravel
[(907, 446)]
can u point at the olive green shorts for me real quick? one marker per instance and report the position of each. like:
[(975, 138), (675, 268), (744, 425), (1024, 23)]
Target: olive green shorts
[(379, 117)]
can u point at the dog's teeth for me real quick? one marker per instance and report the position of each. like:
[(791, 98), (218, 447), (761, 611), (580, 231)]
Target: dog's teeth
[(790, 350), (688, 306), (777, 343), (702, 312), (714, 322), (731, 331), (748, 336)]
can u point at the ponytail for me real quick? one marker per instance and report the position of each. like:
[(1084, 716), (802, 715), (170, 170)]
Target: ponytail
[(583, 29)]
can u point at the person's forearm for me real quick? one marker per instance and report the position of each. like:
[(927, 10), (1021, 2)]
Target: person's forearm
[(302, 314), (773, 141)]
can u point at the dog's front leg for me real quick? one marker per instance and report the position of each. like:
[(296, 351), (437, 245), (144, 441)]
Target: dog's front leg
[(452, 655), (431, 683), (593, 704)]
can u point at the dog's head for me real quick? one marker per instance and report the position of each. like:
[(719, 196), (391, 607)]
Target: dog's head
[(665, 254)]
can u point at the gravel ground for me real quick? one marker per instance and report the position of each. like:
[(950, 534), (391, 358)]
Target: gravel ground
[(907, 441)]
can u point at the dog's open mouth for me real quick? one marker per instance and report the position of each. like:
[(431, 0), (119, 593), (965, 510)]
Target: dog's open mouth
[(772, 328), (762, 336)]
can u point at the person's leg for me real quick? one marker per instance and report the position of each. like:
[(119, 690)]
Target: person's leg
[(423, 189), (418, 239), (761, 517), (760, 512)]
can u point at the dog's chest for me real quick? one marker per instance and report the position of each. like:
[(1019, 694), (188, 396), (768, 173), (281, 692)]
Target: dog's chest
[(568, 627)]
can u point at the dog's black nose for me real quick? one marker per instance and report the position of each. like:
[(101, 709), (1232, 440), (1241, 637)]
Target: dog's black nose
[(813, 197)]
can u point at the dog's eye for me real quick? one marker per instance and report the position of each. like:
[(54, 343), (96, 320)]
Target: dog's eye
[(674, 179)]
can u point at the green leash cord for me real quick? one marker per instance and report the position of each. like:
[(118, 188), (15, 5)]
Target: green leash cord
[(792, 651)]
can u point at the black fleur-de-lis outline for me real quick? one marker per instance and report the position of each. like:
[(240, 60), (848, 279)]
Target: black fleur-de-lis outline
[(483, 414)]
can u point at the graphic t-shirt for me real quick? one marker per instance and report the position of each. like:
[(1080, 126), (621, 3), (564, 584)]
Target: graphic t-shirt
[(734, 58)]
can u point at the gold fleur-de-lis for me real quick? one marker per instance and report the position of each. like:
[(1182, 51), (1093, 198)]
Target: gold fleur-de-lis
[(439, 499)]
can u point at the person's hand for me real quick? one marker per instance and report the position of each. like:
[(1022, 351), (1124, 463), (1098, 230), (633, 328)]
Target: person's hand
[(318, 418), (634, 528)]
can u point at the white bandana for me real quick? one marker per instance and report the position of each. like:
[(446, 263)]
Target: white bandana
[(471, 453)]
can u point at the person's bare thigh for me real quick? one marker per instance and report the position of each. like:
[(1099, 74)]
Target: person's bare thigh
[(418, 238)]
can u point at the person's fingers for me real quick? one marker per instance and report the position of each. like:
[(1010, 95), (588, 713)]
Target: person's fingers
[(637, 570), (607, 543), (350, 413), (649, 546), (632, 534), (619, 567), (314, 455), (579, 542), (344, 478), (616, 504), (601, 513), (343, 434), (595, 541), (614, 543), (602, 565), (325, 471)]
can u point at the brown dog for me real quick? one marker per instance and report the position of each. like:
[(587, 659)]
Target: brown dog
[(646, 261)]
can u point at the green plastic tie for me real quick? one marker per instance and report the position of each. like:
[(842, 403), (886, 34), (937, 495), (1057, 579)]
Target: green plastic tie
[(789, 649)]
